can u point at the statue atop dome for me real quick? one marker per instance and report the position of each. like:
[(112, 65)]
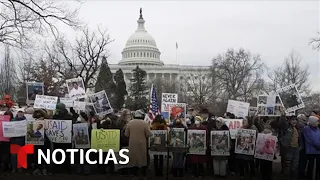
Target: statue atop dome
[(141, 14)]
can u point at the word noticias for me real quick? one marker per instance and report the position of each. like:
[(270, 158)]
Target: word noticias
[(83, 156)]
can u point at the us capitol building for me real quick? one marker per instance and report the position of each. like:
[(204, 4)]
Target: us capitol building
[(141, 50)]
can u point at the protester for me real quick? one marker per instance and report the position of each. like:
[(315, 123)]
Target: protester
[(178, 157), (17, 140), (312, 146), (197, 161), (246, 162), (265, 165), (43, 168), (302, 123), (231, 159), (138, 131), (159, 123), (209, 123), (62, 113), (83, 168), (220, 162), (291, 144)]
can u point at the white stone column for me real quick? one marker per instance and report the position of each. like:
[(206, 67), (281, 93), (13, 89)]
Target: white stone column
[(170, 76), (162, 75)]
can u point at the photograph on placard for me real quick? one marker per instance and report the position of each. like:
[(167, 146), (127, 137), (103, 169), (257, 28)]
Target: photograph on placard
[(197, 142), (100, 103), (265, 147), (81, 135), (290, 98), (178, 111), (35, 132), (261, 110), (76, 89), (245, 141), (34, 89), (177, 137), (158, 138), (262, 99), (219, 142)]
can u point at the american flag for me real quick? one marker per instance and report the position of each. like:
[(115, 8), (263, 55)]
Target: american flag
[(153, 108)]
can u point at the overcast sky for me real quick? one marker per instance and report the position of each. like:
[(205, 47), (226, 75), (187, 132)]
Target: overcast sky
[(206, 28)]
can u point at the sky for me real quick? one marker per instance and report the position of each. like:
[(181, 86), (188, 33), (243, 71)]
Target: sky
[(204, 29)]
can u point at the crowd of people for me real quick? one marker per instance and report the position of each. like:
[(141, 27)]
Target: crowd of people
[(298, 144)]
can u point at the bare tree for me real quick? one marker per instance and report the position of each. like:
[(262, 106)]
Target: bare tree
[(164, 86), (291, 72), (238, 73), (81, 60), (22, 19), (198, 87), (312, 102), (8, 77), (315, 42)]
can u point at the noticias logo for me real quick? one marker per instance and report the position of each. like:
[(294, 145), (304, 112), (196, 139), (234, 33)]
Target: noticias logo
[(83, 155)]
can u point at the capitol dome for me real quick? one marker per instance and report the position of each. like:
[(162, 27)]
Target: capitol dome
[(141, 48)]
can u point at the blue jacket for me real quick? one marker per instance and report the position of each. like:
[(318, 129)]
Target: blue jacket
[(312, 139)]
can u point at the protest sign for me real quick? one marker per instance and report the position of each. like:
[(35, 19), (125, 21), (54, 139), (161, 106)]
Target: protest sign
[(177, 137), (14, 128), (290, 98), (158, 138), (33, 89), (238, 108), (3, 118), (168, 98), (233, 125), (45, 102), (266, 147), (35, 132), (58, 131), (76, 88), (100, 103), (178, 111), (269, 105), (245, 141), (220, 143), (197, 142), (81, 135), (67, 101), (79, 105), (105, 139)]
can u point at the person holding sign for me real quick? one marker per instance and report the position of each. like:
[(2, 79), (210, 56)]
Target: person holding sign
[(62, 114), (246, 161), (138, 132), (159, 123)]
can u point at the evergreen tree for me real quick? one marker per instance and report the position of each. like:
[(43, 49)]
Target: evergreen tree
[(138, 89), (105, 81), (120, 90)]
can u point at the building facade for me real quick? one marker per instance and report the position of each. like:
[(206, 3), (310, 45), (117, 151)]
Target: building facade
[(141, 50)]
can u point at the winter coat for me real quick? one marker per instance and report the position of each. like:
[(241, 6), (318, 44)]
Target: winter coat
[(198, 159), (312, 139), (138, 132)]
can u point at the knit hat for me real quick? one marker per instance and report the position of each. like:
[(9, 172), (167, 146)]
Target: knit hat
[(60, 106), (204, 111), (139, 114), (219, 119), (313, 120), (29, 110), (198, 118)]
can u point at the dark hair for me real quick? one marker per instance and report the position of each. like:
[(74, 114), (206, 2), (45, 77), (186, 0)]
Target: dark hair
[(230, 115), (250, 121), (84, 116), (74, 83), (316, 112), (204, 111), (159, 119)]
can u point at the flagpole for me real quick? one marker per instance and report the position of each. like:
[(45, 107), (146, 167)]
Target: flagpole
[(177, 53)]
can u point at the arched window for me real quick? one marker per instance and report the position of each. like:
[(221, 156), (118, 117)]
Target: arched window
[(147, 54), (141, 54), (134, 54), (144, 54)]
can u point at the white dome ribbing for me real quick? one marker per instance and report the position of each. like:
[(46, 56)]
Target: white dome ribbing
[(141, 48)]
